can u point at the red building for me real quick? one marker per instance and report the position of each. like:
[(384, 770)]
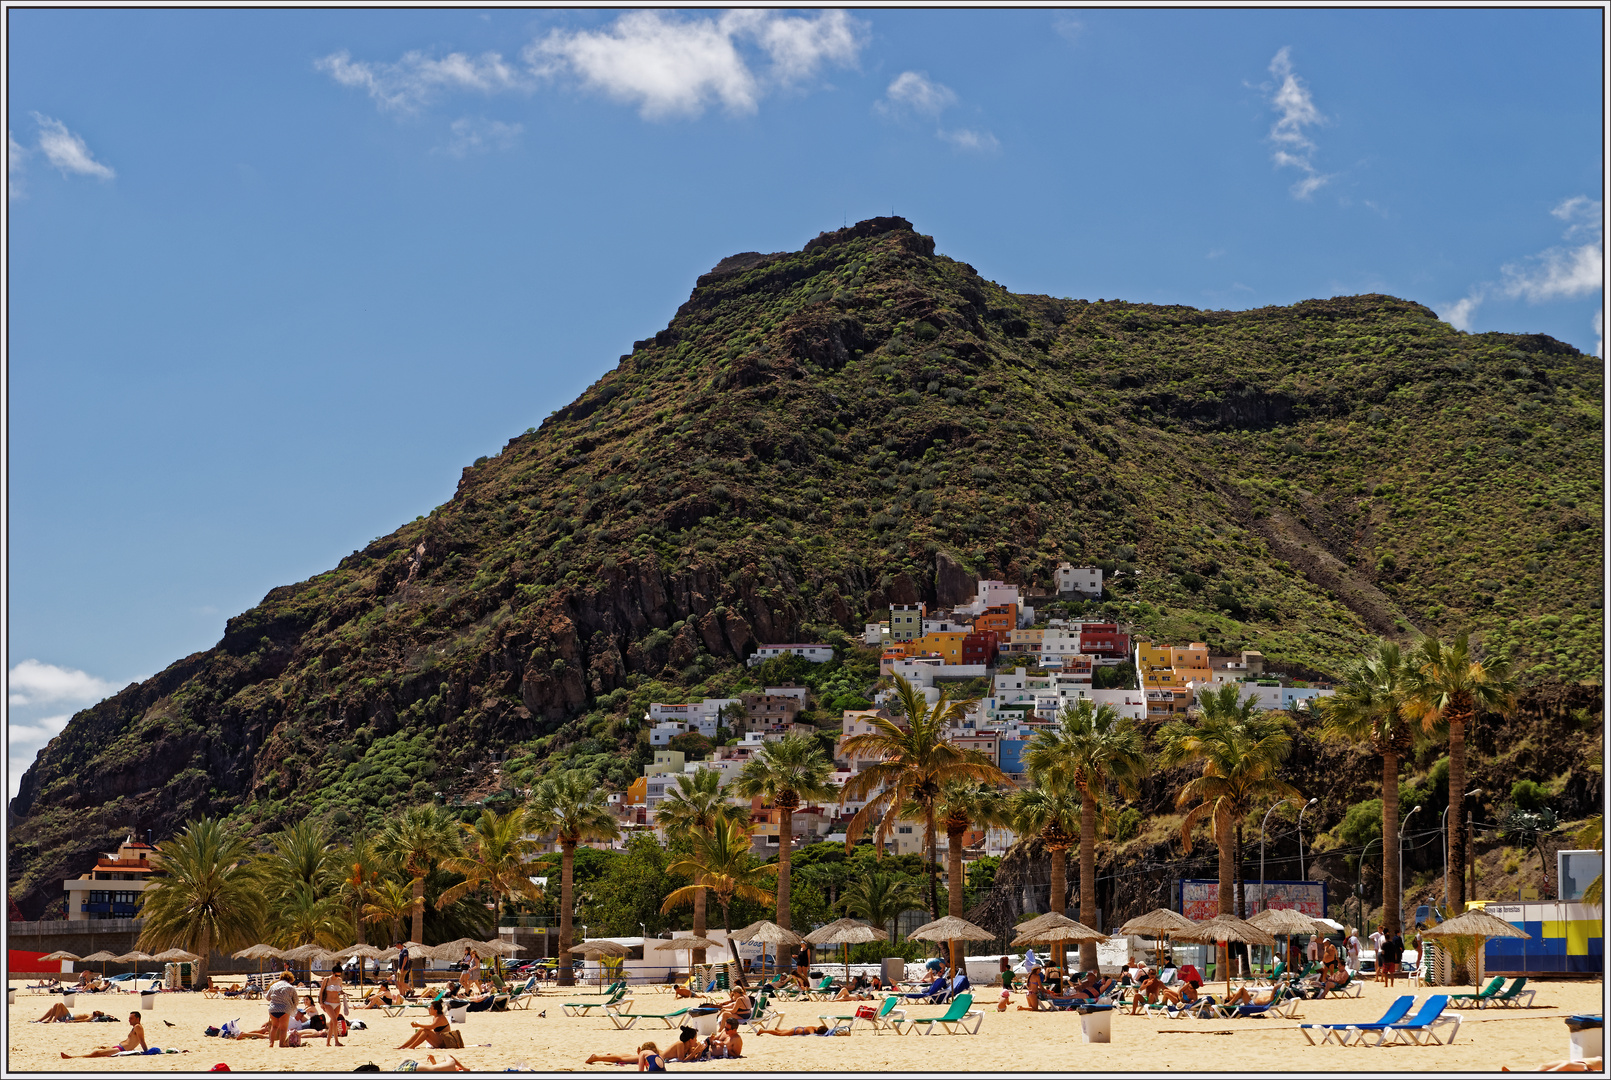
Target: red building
[(1104, 639), (980, 647)]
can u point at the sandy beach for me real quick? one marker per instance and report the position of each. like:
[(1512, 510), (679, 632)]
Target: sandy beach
[(1007, 1042)]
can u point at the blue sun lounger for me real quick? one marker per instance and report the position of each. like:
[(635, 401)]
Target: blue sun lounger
[(1342, 1033)]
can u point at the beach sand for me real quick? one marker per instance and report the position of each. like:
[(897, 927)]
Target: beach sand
[(1011, 1041)]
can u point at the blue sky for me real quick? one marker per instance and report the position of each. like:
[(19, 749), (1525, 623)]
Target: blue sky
[(277, 275)]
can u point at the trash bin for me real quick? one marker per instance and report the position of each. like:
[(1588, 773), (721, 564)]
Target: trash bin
[(458, 1013), (706, 1022), (68, 997), (148, 1000), (1096, 1023), (1587, 1035), (11, 996), (894, 969)]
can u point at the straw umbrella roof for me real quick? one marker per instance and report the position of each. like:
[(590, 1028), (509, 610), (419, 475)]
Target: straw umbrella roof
[(177, 955), (599, 947), (951, 928), (1227, 928), (452, 950), (1158, 921), (135, 957), (688, 943), (307, 952), (259, 952), (1285, 921), (60, 954), (767, 933), (367, 951), (846, 932), (98, 957), (1053, 927), (504, 948), (1475, 923)]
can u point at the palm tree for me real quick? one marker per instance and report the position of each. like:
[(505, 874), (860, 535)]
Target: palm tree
[(913, 761), (882, 898), (360, 871), (1241, 747), (499, 857), (392, 902), (570, 804), (697, 805), (1093, 746), (416, 840), (965, 806), (1369, 707), (1449, 683), (301, 854), (720, 861), (787, 773), (1051, 811), (205, 894), (301, 916)]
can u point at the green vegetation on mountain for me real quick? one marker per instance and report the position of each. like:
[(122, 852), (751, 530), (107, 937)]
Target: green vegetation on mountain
[(820, 433)]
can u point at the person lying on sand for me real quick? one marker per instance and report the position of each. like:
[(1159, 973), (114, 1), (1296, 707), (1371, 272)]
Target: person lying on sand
[(1593, 1064), (647, 1059), (58, 1014), (134, 1040), (431, 1065), (688, 1047), (820, 1029), (726, 1043)]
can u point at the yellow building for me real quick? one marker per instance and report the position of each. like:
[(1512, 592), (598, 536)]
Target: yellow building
[(1166, 667), (946, 643)]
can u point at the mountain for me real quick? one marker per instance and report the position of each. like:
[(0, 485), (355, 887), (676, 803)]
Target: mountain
[(820, 433)]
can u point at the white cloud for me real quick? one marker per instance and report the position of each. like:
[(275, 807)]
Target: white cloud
[(67, 151), (1296, 111), (15, 152), (478, 135), (914, 91), (1068, 28), (416, 78), (668, 66), (1557, 273), (38, 732), (977, 142), (1599, 333), (32, 682)]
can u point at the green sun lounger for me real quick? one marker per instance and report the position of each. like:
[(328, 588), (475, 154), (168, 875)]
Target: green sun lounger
[(582, 1008), (1511, 998), (880, 1020), (1479, 996), (954, 1019), (624, 1020)]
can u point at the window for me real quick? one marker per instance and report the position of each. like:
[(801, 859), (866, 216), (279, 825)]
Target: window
[(904, 830)]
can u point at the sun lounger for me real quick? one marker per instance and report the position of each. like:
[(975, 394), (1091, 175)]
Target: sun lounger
[(1343, 1033), (881, 1018), (522, 996), (1421, 1029), (582, 1008), (1479, 997), (624, 1020), (1282, 1003), (954, 1019), (823, 990), (1511, 998)]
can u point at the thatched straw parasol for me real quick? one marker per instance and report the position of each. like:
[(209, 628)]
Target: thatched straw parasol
[(135, 957), (259, 953), (766, 933), (687, 943), (504, 948), (178, 956), (100, 958), (1224, 929), (1478, 925), (453, 950), (846, 932), (1055, 929), (597, 949), (951, 930), (362, 952), (1285, 922), (60, 954), (308, 954)]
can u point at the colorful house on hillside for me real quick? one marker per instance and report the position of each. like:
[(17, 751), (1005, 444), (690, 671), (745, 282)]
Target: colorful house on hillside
[(979, 647), (1001, 618), (111, 890), (942, 643), (905, 622)]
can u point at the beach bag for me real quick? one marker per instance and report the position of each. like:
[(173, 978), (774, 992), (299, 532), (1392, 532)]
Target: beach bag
[(866, 1012), (231, 1029), (341, 1027), (452, 1040), (210, 1031)]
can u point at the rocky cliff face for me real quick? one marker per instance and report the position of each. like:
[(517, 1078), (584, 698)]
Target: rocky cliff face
[(821, 433)]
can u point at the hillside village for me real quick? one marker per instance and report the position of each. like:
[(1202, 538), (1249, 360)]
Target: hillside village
[(1023, 671)]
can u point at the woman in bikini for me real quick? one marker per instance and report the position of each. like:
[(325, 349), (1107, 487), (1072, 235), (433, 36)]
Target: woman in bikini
[(58, 1014), (331, 994), (820, 1029), (431, 1032), (381, 997), (647, 1059)]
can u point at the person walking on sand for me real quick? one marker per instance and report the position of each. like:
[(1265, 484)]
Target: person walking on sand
[(282, 1003), (134, 1040), (1353, 952), (331, 997)]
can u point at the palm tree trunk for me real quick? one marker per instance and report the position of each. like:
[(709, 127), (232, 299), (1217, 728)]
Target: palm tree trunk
[(699, 919), (1241, 878), (1457, 816), (358, 917), (953, 886), (934, 862), (1059, 892), (1088, 876), (205, 948), (1392, 888), (567, 863), (1227, 877), (785, 842), (732, 946), (419, 909)]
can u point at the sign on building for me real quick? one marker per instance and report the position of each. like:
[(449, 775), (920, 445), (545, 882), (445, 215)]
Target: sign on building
[(1198, 899), (1565, 939)]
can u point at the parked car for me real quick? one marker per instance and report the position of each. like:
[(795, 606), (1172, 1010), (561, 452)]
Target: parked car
[(135, 983)]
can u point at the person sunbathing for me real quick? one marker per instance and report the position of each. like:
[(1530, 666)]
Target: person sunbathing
[(1591, 1064), (1244, 995), (431, 1031), (381, 997), (647, 1059), (727, 1043), (432, 1065), (820, 1029), (688, 1047), (59, 1014), (738, 1005), (135, 1039), (1034, 990)]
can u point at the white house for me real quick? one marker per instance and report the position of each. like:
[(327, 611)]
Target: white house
[(1085, 580), (990, 594), (875, 634), (817, 654), (1283, 697)]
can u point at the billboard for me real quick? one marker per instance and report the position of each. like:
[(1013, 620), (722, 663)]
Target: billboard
[(1564, 938), (1198, 899)]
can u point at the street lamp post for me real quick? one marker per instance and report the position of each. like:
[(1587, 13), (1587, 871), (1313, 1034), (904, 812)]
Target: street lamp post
[(1443, 828), (1262, 824), (1405, 821), (1305, 810)]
